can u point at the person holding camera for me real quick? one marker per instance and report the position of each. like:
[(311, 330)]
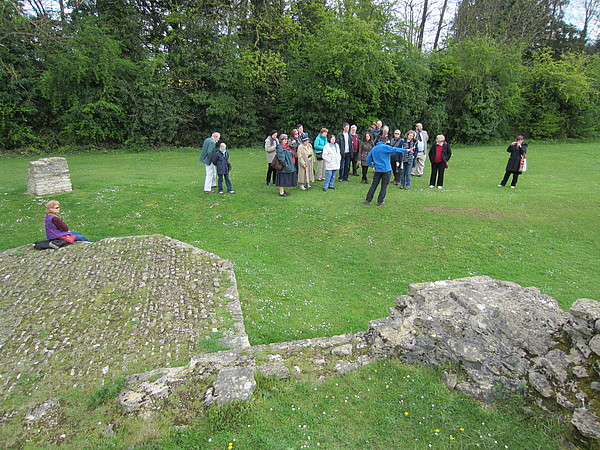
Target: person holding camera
[(517, 152)]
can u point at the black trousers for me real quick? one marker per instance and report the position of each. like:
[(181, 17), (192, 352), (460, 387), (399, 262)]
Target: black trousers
[(365, 171), (437, 171), (384, 178), (271, 174), (515, 178)]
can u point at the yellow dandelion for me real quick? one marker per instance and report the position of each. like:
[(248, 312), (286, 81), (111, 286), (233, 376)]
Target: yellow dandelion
[(437, 431), (406, 413), (461, 429), (451, 438)]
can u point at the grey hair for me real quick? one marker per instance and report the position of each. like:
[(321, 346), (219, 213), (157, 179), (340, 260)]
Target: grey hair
[(385, 127), (283, 136), (216, 134)]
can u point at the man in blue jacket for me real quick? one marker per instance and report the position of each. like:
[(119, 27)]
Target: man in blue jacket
[(379, 158)]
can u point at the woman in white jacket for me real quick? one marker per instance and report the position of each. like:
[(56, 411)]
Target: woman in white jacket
[(332, 158)]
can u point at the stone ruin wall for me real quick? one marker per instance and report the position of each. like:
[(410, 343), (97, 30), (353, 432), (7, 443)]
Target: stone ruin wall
[(496, 333)]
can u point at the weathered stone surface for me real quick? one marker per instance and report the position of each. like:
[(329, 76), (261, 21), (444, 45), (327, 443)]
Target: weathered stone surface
[(346, 366), (151, 300), (540, 383), (236, 383), (594, 344), (39, 411), (489, 326), (586, 309), (586, 423), (135, 301), (131, 401), (580, 372), (48, 176), (450, 380), (499, 333), (274, 369), (564, 402), (342, 350)]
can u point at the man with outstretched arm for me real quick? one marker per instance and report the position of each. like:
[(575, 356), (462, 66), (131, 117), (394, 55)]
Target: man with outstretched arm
[(379, 158)]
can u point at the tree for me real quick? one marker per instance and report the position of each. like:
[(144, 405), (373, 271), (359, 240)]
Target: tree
[(561, 96), (22, 109), (440, 25), (507, 20), (481, 84)]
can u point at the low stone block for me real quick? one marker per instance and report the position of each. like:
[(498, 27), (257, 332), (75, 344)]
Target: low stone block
[(48, 176)]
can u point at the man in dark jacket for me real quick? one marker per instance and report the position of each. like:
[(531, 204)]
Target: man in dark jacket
[(206, 157), (345, 142)]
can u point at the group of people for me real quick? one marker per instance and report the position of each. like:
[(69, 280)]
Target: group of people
[(339, 156), (388, 156), (393, 157)]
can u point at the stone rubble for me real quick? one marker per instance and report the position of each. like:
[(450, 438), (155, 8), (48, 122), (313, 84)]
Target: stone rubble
[(93, 311)]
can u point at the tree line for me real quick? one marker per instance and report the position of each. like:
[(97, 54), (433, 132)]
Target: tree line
[(135, 73)]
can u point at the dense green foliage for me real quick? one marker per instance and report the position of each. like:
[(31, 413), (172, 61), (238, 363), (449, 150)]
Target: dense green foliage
[(132, 73)]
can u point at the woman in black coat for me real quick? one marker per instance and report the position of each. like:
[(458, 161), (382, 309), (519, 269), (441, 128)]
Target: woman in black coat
[(517, 151)]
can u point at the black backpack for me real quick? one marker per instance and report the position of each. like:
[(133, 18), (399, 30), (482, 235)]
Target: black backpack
[(49, 243)]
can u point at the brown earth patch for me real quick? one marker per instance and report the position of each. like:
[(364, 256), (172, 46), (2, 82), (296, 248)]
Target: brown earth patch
[(473, 212)]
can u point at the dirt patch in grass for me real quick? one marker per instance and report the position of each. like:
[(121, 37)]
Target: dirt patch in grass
[(473, 212)]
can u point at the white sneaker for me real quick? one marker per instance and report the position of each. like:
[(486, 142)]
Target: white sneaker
[(500, 185), (302, 187), (308, 186), (431, 186), (439, 187), (231, 192), (512, 187)]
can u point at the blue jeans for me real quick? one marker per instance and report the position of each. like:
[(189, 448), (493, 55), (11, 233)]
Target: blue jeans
[(329, 179), (345, 166), (227, 182), (80, 237), (406, 175)]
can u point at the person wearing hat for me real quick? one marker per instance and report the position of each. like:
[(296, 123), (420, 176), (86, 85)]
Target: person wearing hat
[(517, 151), (305, 160)]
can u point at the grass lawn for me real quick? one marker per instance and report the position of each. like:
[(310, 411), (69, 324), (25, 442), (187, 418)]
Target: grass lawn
[(322, 263)]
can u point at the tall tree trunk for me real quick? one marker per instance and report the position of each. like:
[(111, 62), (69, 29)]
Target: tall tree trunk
[(61, 5), (440, 25), (422, 27)]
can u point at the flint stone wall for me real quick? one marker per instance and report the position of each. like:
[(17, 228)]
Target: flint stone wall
[(48, 176)]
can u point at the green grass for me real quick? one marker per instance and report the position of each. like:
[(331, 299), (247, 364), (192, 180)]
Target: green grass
[(321, 264), (317, 263), (384, 405)]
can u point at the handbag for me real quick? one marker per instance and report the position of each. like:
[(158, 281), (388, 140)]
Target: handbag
[(276, 164), (523, 164), (68, 238), (319, 156)]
